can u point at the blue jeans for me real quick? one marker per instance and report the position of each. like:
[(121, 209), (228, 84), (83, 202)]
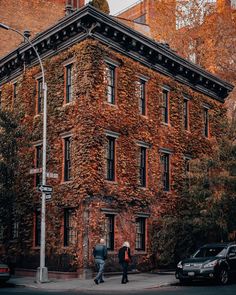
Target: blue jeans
[(100, 266)]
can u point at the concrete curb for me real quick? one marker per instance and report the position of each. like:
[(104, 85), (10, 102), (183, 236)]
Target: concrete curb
[(137, 282)]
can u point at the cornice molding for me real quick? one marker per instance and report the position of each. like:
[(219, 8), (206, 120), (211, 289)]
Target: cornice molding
[(90, 22)]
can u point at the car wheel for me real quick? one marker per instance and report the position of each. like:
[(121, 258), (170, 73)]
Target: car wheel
[(223, 276), (183, 281)]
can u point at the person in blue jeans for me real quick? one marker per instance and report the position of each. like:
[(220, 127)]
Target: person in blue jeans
[(100, 255)]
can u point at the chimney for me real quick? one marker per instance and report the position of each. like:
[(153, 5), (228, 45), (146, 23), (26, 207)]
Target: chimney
[(72, 5)]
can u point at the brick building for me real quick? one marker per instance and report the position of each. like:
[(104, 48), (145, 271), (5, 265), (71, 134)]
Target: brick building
[(125, 116), (34, 15)]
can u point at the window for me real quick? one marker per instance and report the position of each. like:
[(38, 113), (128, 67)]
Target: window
[(1, 232), (67, 159), (142, 167), (15, 90), (186, 166), (140, 234), (38, 164), (111, 81), (165, 168), (165, 106), (206, 122), (39, 96), (37, 234), (142, 97), (69, 227), (109, 231), (68, 82), (15, 229), (186, 114), (110, 159)]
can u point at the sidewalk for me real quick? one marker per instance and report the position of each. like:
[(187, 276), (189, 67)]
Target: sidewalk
[(136, 282)]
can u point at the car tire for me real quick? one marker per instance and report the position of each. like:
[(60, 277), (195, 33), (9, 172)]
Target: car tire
[(183, 282), (223, 276)]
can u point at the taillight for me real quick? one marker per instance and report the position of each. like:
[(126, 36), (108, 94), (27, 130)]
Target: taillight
[(4, 270)]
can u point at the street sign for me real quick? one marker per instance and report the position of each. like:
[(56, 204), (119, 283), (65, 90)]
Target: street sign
[(48, 197), (51, 175), (36, 170), (45, 188), (48, 174)]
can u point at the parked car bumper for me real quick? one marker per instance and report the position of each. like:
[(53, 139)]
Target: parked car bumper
[(195, 274)]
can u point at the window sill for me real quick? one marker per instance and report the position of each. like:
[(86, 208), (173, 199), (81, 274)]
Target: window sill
[(144, 116), (66, 182), (111, 104), (165, 124), (144, 188), (140, 252), (67, 104), (38, 115), (111, 182)]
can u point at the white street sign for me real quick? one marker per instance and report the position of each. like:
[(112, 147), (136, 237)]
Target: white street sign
[(51, 175), (48, 174), (35, 170), (45, 188)]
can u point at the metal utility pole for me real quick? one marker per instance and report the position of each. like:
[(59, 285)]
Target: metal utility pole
[(42, 272)]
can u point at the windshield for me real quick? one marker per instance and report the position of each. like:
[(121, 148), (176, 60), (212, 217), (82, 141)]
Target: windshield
[(210, 252)]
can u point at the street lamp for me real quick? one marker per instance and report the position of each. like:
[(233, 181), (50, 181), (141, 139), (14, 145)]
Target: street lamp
[(42, 272)]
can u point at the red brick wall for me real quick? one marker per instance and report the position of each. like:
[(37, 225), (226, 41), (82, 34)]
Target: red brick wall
[(134, 12), (34, 15), (87, 118)]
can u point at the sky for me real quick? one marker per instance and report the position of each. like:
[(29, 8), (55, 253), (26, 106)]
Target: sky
[(118, 5)]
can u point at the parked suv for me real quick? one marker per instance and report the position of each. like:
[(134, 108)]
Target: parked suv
[(212, 261)]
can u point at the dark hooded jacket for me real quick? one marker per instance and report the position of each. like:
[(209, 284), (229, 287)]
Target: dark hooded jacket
[(121, 254)]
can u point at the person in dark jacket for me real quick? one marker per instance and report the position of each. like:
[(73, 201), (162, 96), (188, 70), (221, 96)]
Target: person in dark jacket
[(124, 261), (100, 255)]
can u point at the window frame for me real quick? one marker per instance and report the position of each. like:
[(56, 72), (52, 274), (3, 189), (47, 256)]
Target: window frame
[(68, 73), (69, 231), (67, 165), (111, 73), (15, 229), (110, 158), (143, 166), (15, 90), (38, 163), (165, 170), (39, 100), (142, 96), (140, 237), (186, 113), (206, 122), (165, 105), (110, 235)]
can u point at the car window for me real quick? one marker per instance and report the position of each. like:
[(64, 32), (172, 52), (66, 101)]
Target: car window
[(232, 250), (210, 252)]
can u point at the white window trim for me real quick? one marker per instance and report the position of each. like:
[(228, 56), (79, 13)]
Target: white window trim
[(112, 133), (143, 144)]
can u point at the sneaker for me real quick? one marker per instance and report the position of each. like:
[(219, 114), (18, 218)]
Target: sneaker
[(102, 281), (96, 281)]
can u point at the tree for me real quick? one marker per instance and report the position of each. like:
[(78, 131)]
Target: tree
[(206, 208), (10, 135), (101, 4), (202, 31)]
